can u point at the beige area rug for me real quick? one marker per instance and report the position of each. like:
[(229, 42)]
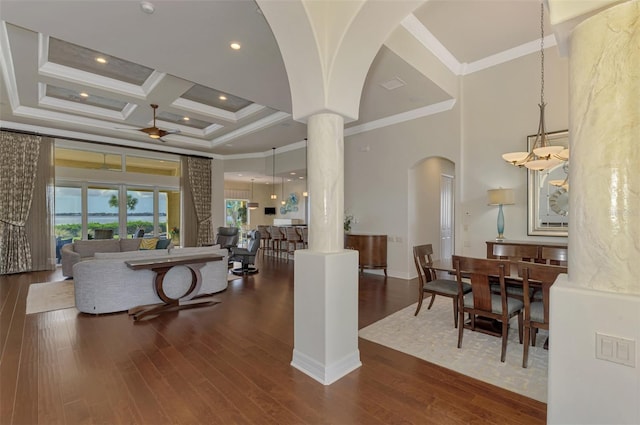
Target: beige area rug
[(49, 296), (431, 336)]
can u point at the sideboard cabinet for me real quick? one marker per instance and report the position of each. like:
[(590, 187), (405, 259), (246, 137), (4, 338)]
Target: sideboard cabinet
[(372, 250)]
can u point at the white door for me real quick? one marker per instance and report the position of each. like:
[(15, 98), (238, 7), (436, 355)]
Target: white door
[(446, 216)]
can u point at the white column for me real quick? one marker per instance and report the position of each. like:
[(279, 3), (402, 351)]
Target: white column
[(326, 275), (326, 182), (602, 292), (605, 151)]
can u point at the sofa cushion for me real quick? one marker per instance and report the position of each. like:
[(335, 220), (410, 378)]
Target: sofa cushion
[(130, 255), (163, 243), (148, 243), (129, 244), (89, 248)]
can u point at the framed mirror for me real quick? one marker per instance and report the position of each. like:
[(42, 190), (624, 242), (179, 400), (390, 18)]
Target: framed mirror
[(548, 204)]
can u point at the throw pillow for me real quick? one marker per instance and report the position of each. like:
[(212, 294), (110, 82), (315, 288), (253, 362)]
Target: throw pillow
[(163, 243), (149, 243)]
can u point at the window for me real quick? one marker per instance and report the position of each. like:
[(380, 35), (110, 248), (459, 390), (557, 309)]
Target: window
[(236, 212), (115, 191)]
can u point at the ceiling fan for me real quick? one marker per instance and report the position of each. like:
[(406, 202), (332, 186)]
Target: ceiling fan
[(155, 132)]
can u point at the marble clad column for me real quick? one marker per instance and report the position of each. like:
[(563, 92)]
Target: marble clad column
[(592, 382), (604, 171), (326, 275), (326, 182)]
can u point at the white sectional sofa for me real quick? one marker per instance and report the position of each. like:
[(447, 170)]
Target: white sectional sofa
[(106, 284), (82, 250)]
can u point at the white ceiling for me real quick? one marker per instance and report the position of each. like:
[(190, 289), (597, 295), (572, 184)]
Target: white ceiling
[(187, 43)]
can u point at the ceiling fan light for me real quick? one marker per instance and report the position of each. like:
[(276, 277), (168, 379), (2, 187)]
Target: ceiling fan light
[(154, 136)]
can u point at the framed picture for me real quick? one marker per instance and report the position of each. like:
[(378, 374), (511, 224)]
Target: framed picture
[(548, 204)]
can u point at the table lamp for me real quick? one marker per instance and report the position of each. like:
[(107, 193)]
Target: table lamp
[(500, 197)]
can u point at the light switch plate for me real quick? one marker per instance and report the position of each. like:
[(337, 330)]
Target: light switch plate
[(615, 349)]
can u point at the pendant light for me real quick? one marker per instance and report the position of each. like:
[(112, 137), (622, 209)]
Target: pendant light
[(282, 192), (252, 205), (542, 155), (273, 176)]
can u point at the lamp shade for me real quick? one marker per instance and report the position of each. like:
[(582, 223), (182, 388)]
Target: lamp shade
[(501, 197)]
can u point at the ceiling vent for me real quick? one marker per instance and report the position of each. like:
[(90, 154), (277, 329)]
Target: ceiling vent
[(393, 83)]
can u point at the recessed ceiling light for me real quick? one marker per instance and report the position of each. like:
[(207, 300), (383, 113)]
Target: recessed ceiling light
[(147, 7), (293, 173), (185, 119), (83, 94), (301, 177), (222, 97), (239, 175), (235, 45), (100, 59)]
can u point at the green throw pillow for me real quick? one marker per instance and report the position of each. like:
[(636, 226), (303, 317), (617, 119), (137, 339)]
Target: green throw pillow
[(163, 243)]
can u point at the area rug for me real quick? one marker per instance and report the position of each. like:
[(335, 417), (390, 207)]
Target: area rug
[(49, 296), (431, 336)]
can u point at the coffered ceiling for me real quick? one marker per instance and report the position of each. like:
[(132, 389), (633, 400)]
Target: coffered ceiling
[(237, 102)]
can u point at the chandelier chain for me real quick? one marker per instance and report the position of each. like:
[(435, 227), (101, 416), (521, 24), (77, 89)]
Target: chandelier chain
[(542, 53)]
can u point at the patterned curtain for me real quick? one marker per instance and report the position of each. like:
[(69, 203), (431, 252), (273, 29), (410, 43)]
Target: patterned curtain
[(18, 164), (200, 182)]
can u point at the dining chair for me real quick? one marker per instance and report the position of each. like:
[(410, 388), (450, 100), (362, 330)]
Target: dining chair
[(429, 282), (536, 313), (481, 302), (557, 256), (304, 233), (514, 254)]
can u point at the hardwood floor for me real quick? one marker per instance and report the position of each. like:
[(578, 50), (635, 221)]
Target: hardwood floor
[(224, 364)]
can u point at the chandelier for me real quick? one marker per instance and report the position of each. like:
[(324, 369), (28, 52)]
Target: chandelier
[(542, 155)]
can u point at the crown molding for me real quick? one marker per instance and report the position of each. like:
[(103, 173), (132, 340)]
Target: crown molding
[(265, 122), (508, 55), (425, 111)]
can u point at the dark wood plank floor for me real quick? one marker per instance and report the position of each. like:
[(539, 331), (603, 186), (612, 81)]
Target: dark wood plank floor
[(225, 364)]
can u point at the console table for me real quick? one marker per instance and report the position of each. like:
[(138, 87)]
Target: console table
[(372, 250), (161, 265)]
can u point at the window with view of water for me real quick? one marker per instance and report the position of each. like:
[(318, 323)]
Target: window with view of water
[(115, 194)]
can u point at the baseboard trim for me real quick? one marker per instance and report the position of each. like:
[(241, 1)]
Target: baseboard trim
[(326, 374)]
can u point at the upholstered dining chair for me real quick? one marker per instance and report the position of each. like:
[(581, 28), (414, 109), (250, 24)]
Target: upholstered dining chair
[(430, 284), (536, 313), (514, 254), (481, 302), (557, 256)]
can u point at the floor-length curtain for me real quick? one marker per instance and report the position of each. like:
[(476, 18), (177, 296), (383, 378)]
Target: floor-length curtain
[(39, 225), (18, 163), (199, 172), (189, 226)]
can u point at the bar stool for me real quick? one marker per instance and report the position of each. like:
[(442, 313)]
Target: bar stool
[(277, 237), (293, 238), (304, 234), (265, 238)]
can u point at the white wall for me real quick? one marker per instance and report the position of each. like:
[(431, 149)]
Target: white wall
[(500, 109), (424, 205), (377, 165)]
